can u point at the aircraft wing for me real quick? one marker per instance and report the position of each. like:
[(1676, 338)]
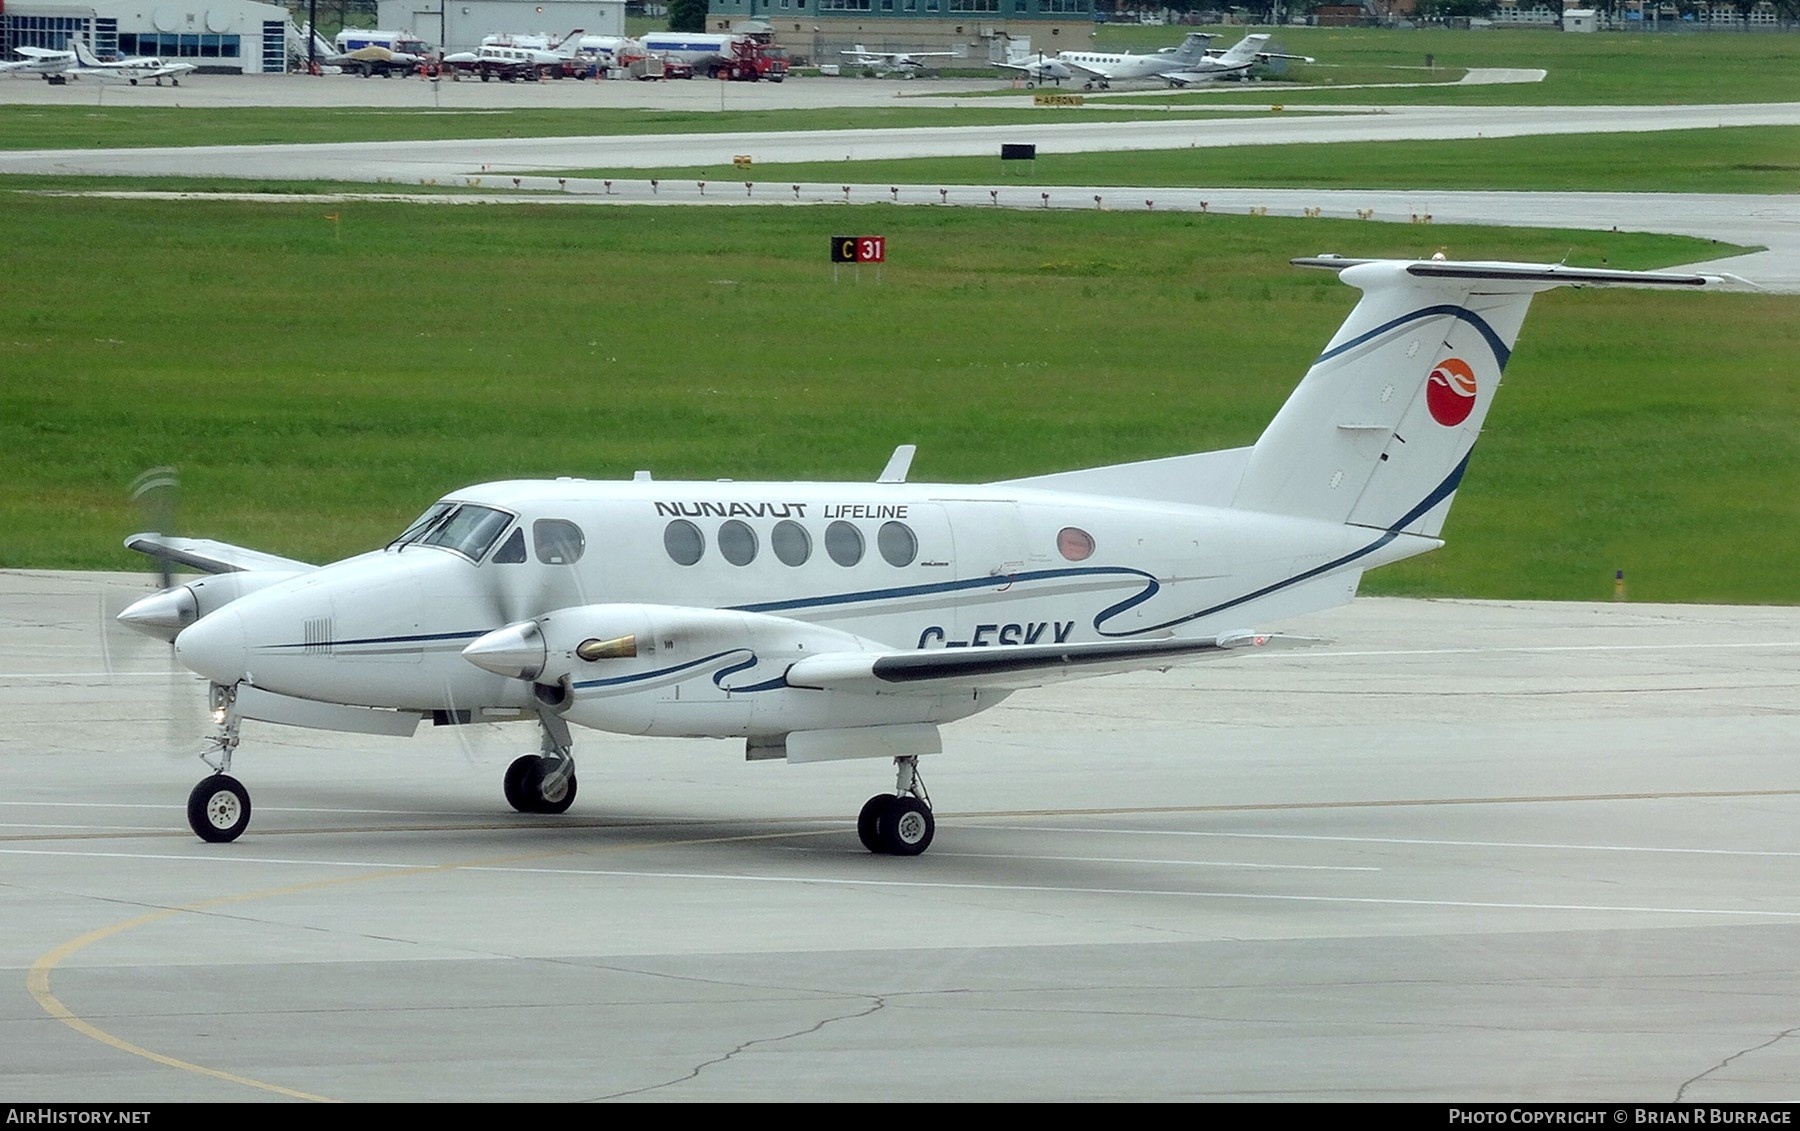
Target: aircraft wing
[(933, 670), (1189, 78), (1085, 68), (46, 53), (209, 556)]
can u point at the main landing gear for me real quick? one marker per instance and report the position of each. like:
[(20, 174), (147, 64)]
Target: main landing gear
[(899, 823), (544, 783), (218, 809)]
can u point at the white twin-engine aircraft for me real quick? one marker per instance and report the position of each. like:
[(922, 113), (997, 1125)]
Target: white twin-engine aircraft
[(851, 620)]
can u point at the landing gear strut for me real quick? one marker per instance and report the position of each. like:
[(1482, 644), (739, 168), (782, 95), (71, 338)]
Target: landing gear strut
[(899, 823), (544, 782), (219, 807)]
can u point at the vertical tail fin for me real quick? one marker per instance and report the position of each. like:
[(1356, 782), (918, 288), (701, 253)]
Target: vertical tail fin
[(1193, 47), (1244, 50), (1380, 430)]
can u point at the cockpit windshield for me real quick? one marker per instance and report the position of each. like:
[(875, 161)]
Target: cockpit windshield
[(467, 528)]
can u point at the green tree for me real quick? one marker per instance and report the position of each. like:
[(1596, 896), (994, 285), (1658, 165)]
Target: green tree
[(687, 15)]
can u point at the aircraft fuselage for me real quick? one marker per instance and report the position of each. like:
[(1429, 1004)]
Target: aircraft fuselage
[(758, 576)]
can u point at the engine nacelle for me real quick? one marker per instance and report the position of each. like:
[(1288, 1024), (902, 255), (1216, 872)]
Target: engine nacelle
[(165, 613), (674, 670)]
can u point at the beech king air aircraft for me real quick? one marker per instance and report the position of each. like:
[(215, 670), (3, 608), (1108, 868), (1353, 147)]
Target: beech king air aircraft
[(816, 621), (1102, 69), (1038, 68)]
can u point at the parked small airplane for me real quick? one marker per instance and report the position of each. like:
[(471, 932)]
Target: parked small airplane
[(890, 62), (1233, 63), (375, 60), (1102, 69), (510, 57), (133, 70), (820, 621), (53, 65)]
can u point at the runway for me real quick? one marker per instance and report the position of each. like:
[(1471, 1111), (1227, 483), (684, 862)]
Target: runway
[(1465, 851)]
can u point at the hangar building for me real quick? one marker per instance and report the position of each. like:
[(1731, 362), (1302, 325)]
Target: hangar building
[(459, 25), (214, 35), (979, 30)]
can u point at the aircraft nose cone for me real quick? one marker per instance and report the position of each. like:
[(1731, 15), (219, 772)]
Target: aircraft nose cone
[(516, 651), (162, 614), (214, 646)]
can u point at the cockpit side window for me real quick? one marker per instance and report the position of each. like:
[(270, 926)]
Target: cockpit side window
[(512, 551), (469, 530), (557, 541)]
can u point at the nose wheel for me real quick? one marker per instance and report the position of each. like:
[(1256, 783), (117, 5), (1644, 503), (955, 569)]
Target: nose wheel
[(219, 809), (899, 823)]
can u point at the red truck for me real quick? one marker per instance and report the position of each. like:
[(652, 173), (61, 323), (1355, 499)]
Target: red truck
[(739, 57)]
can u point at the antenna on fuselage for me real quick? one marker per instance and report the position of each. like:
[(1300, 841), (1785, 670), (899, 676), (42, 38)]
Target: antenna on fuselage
[(898, 464)]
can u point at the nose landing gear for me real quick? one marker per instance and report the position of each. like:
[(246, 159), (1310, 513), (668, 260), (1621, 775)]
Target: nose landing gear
[(218, 809)]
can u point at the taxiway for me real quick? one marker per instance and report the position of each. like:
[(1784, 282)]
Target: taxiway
[(1467, 851)]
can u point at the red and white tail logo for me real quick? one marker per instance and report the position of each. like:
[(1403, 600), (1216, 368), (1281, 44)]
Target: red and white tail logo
[(1450, 392)]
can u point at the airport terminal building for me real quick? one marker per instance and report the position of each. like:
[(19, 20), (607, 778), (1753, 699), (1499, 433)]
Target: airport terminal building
[(237, 36)]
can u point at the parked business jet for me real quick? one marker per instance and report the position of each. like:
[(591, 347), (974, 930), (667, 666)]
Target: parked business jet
[(53, 65), (890, 62), (818, 621), (133, 71), (1233, 63)]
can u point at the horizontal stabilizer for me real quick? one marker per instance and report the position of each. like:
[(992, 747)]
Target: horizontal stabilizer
[(208, 556), (1530, 277), (930, 670)]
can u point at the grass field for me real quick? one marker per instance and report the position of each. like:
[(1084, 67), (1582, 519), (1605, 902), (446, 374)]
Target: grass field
[(91, 127), (317, 389), (1745, 160), (1584, 70)]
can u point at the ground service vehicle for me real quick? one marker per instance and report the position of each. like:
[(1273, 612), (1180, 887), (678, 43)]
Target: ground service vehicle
[(743, 58)]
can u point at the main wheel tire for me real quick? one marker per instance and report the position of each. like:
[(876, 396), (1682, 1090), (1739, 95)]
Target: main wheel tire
[(868, 822), (907, 827), (513, 784), (531, 788), (219, 809)]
